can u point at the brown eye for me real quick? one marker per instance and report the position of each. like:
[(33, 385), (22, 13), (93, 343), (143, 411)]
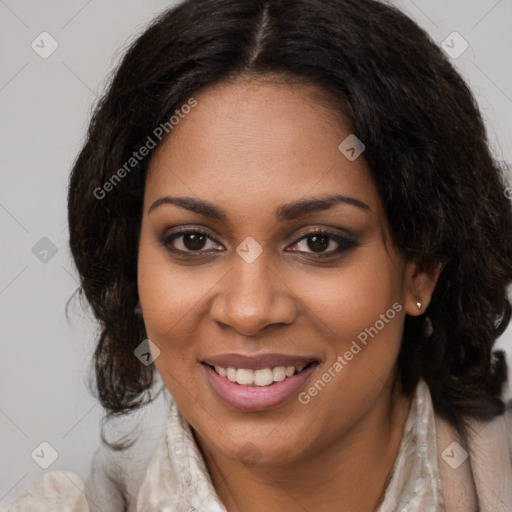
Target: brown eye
[(194, 241), (323, 243), (189, 241), (318, 243)]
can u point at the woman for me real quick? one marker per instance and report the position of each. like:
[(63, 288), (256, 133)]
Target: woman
[(290, 208)]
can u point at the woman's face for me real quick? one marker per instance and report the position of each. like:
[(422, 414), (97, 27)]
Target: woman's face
[(252, 285)]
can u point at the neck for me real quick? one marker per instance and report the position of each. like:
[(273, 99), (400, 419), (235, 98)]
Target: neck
[(349, 474)]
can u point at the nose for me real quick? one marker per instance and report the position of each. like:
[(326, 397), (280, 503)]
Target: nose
[(252, 297)]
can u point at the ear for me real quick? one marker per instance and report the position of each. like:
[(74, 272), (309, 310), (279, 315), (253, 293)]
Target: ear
[(420, 282)]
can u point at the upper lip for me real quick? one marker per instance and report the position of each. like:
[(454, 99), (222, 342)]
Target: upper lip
[(257, 362)]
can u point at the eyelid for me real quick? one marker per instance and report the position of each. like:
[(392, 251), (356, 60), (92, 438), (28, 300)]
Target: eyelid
[(344, 242), (324, 230), (168, 237)]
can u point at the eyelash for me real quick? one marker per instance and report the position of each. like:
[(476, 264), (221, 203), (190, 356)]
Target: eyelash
[(344, 244)]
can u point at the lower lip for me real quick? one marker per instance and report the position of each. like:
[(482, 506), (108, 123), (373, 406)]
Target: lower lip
[(257, 398)]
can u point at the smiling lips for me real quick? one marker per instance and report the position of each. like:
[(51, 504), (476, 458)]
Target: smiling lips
[(257, 383)]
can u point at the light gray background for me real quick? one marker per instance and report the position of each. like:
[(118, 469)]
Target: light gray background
[(45, 106)]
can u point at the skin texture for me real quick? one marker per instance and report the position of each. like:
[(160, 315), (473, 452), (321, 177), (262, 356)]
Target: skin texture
[(249, 147)]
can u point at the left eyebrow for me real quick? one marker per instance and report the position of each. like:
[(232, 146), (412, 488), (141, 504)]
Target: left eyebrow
[(284, 212), (296, 209)]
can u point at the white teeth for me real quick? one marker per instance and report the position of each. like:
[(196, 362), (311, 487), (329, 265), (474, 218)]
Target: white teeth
[(245, 377), (279, 373), (262, 377), (231, 374), (221, 371)]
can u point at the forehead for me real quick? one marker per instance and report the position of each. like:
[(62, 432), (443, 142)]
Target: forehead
[(259, 142)]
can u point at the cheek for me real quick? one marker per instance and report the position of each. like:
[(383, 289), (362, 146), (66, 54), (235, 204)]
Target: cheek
[(170, 297), (360, 310), (352, 298), (168, 292)]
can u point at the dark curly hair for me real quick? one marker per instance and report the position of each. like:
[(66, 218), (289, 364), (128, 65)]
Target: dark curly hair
[(426, 148)]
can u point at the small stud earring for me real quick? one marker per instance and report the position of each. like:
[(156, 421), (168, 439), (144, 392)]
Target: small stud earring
[(418, 304)]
